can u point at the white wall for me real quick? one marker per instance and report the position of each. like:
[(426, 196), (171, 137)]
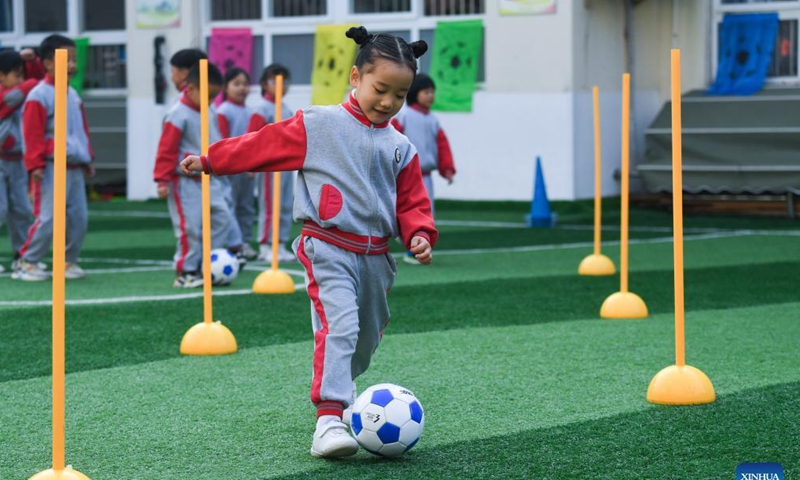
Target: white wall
[(144, 115)]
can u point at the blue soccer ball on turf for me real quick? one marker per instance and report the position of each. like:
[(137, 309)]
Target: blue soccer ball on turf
[(387, 420), (224, 267)]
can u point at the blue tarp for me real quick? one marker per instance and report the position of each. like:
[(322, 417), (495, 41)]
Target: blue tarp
[(746, 43)]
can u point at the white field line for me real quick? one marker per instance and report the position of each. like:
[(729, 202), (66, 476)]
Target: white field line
[(610, 228), (151, 298), (133, 214), (95, 271)]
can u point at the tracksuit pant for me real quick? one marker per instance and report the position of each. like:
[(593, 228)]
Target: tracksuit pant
[(186, 211), (40, 235), (234, 240), (265, 207), (15, 207), (244, 207), (349, 311), (427, 179)]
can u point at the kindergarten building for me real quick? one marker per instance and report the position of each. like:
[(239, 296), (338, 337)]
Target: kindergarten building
[(536, 68)]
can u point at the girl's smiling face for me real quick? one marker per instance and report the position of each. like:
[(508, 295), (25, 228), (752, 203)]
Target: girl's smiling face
[(381, 88), (236, 90)]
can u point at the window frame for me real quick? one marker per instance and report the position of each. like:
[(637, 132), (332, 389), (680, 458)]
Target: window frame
[(786, 10), (18, 38), (339, 12)]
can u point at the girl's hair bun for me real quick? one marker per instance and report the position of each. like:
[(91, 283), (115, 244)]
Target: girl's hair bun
[(359, 34), (418, 48)]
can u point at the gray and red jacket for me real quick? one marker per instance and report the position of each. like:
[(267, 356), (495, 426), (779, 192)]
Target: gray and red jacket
[(38, 127), (423, 129), (232, 118), (264, 113), (359, 184), (180, 137), (11, 100)]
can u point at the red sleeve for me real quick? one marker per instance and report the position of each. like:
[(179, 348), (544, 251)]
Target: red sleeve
[(396, 124), (224, 127), (34, 69), (413, 206), (256, 122), (168, 152), (86, 128), (445, 154), (34, 123), (278, 147), (13, 98)]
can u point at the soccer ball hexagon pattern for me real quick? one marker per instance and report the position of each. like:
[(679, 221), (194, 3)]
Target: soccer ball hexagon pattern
[(224, 267), (387, 420)]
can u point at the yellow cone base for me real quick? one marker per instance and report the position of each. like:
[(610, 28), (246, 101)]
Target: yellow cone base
[(680, 385), (66, 474), (623, 305), (596, 266), (272, 282), (208, 339)]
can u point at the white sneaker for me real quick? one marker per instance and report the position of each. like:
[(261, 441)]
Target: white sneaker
[(73, 272), (285, 255), (249, 252), (2, 269), (333, 440), (29, 272), (265, 252)]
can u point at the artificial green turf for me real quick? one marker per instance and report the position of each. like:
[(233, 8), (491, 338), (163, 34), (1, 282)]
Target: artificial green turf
[(565, 391)]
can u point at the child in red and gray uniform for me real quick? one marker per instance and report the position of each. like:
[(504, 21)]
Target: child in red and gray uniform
[(37, 132), (359, 185), (422, 128), (233, 117), (17, 79), (263, 114), (180, 137)]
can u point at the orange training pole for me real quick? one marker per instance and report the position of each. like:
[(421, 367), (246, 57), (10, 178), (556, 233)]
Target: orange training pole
[(208, 337), (677, 206), (276, 179), (679, 384), (597, 169), (208, 312), (60, 470), (59, 249), (626, 105)]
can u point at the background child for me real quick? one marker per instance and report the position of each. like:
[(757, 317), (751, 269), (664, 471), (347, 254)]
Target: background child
[(359, 185), (263, 114), (180, 136), (423, 130), (37, 133), (15, 207), (181, 63), (233, 117)]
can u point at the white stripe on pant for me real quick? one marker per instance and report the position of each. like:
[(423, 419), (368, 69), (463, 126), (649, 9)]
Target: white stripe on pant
[(349, 311)]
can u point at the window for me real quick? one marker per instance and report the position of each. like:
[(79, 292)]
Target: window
[(784, 57), (737, 2), (257, 62), (6, 16), (298, 8), (454, 7), (235, 9), (105, 67), (381, 6), (295, 52), (45, 15), (425, 60), (103, 15)]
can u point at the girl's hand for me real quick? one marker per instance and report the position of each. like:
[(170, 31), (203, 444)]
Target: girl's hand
[(191, 165), (421, 250), (163, 190), (37, 175)]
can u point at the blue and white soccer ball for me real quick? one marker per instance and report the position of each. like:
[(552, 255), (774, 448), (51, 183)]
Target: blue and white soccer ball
[(387, 420), (224, 267)]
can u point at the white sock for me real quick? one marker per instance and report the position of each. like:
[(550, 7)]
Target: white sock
[(325, 419)]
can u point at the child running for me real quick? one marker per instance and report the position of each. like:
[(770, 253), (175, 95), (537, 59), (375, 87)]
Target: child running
[(422, 128), (359, 185)]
